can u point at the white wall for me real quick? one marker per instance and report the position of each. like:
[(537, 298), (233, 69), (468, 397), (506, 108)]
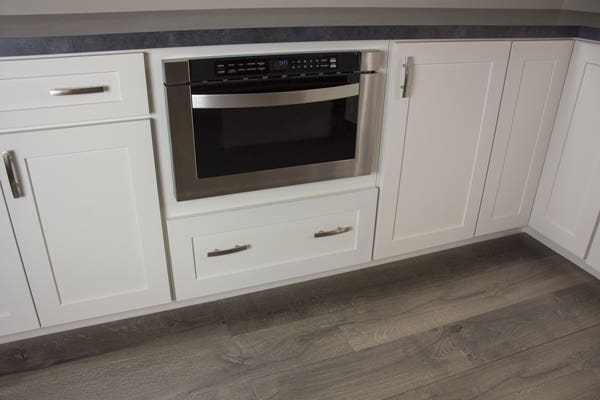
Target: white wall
[(582, 5), (28, 7)]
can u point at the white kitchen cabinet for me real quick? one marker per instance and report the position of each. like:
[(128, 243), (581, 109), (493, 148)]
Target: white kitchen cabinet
[(593, 258), (59, 90), (568, 199), (88, 222), (534, 81), (436, 142), (239, 249), (17, 312)]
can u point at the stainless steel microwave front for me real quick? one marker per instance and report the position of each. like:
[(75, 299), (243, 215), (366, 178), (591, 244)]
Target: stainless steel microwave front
[(253, 101)]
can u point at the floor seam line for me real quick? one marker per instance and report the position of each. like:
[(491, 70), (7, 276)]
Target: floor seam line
[(452, 376)]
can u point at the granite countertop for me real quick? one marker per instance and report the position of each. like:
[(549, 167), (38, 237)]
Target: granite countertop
[(59, 34)]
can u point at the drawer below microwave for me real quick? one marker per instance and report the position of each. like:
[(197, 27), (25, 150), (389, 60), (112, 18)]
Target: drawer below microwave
[(238, 249)]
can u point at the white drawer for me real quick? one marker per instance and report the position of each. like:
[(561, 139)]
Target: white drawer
[(276, 242), (117, 83)]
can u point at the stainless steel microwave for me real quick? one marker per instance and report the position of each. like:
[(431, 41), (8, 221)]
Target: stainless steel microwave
[(247, 123)]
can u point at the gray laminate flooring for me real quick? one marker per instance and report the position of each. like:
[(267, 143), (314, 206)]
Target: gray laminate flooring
[(504, 319)]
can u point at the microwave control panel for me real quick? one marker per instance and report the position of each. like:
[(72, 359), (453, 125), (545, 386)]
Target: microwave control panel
[(206, 70)]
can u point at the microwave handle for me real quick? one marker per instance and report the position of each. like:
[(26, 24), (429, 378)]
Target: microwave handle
[(270, 99)]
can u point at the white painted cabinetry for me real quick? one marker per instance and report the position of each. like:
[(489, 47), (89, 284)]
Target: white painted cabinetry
[(82, 201), (568, 200), (45, 91), (438, 134), (593, 258), (238, 249), (16, 307), (534, 81), (88, 222)]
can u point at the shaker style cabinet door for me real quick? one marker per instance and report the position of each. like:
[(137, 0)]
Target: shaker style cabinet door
[(88, 220), (17, 313), (442, 100), (568, 198), (534, 81)]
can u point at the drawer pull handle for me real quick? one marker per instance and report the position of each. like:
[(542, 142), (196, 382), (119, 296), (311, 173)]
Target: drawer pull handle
[(83, 90), (236, 249), (336, 231), (13, 176)]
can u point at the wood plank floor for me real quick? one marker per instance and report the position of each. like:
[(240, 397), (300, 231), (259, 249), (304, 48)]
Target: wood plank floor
[(504, 319)]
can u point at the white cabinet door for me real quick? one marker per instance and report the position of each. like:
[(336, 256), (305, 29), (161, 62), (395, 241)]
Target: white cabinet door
[(568, 199), (437, 142), (88, 224), (17, 313), (593, 258), (534, 81)]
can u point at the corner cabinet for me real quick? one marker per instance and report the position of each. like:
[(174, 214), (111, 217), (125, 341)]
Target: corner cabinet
[(442, 101), (17, 312), (534, 82), (84, 207), (568, 200)]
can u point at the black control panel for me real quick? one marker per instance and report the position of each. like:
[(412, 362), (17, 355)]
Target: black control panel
[(206, 70)]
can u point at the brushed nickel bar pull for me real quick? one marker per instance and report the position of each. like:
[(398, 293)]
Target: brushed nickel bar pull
[(333, 232), (404, 85), (13, 176), (236, 249), (73, 91)]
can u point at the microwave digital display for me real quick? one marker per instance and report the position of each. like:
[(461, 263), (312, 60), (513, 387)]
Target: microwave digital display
[(279, 64)]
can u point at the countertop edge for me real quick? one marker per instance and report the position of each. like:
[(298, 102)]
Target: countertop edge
[(29, 46)]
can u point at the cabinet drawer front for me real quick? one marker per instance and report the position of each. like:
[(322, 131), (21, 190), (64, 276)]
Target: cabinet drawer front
[(275, 244), (244, 248), (72, 89)]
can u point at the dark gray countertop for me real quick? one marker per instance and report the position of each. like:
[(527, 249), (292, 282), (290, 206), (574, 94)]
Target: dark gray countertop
[(57, 34)]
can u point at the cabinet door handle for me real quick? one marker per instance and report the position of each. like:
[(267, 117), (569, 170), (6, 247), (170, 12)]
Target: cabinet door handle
[(13, 176), (336, 231), (72, 91), (404, 86), (236, 249)]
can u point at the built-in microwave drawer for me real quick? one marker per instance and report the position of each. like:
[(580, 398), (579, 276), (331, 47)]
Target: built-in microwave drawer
[(237, 249), (52, 91)]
